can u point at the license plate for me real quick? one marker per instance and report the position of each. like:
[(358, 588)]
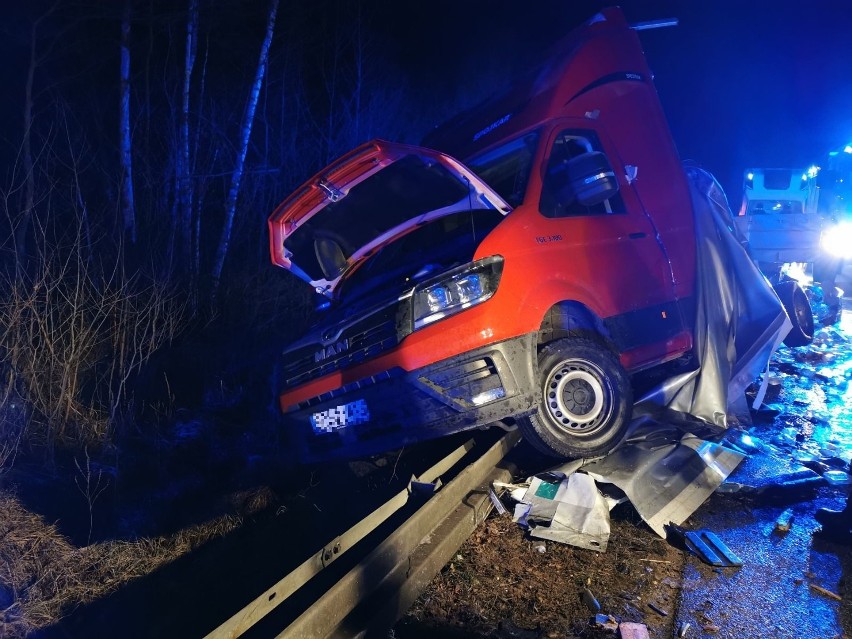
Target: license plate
[(333, 419)]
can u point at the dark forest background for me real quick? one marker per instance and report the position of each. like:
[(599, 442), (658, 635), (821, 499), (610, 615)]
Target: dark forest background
[(144, 146)]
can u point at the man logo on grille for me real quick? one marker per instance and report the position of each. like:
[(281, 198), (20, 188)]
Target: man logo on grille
[(331, 350)]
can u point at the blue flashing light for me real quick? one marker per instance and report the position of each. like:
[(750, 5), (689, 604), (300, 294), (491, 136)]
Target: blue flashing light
[(750, 176), (831, 154), (847, 149), (813, 170)]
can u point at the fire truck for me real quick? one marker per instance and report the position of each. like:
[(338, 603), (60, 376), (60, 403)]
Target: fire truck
[(796, 224)]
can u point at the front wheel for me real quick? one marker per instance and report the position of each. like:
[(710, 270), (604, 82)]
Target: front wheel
[(585, 400)]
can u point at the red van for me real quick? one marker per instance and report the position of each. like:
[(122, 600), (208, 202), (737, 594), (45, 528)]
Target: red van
[(524, 282)]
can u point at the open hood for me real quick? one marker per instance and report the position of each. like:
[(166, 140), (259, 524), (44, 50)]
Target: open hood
[(365, 200)]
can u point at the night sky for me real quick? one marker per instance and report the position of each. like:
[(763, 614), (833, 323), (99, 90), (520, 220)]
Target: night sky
[(744, 84)]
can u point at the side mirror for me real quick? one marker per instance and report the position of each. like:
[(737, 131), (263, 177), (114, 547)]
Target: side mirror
[(591, 178)]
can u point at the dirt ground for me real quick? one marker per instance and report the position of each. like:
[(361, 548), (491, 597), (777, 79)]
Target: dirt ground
[(503, 583)]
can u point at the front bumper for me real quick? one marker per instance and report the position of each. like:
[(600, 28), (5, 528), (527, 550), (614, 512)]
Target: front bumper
[(396, 407)]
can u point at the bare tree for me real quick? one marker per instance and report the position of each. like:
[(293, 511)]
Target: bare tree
[(35, 60), (127, 206), (29, 178), (184, 177), (245, 134)]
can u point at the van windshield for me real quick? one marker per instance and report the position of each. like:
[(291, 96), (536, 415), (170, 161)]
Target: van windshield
[(436, 246), (775, 207)]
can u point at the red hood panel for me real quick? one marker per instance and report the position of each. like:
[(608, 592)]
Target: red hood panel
[(365, 200)]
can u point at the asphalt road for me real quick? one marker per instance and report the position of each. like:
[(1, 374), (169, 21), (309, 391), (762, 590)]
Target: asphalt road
[(780, 591)]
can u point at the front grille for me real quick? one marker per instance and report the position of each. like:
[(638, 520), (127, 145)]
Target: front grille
[(365, 338)]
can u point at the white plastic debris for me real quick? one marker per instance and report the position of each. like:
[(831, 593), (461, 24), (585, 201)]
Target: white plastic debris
[(567, 509)]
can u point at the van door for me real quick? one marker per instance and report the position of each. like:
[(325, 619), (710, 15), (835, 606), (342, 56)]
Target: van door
[(612, 247)]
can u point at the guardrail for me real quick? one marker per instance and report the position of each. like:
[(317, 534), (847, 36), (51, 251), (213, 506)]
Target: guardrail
[(380, 588)]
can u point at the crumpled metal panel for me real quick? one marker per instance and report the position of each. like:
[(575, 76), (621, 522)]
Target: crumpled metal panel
[(740, 321)]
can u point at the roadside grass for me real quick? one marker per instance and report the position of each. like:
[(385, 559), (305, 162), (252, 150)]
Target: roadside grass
[(43, 575)]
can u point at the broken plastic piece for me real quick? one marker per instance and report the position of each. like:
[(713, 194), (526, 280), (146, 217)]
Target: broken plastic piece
[(495, 501), (836, 478), (784, 521), (682, 629), (631, 630), (423, 488), (604, 622), (705, 545), (591, 601)]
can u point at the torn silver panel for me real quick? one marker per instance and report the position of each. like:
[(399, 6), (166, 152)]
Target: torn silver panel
[(665, 480), (740, 320)]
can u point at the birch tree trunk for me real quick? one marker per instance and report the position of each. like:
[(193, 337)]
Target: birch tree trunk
[(196, 213), (184, 179), (127, 206), (245, 134)]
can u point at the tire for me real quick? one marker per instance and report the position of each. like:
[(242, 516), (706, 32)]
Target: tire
[(585, 403), (798, 308)]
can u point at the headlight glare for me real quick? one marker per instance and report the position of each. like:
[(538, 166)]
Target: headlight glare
[(456, 290), (837, 240)]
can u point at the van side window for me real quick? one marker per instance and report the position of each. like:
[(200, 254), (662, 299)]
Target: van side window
[(557, 200), (507, 168)]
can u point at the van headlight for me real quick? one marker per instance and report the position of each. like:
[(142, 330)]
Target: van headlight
[(456, 290), (837, 240)]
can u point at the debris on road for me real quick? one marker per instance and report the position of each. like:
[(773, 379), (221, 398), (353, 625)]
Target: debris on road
[(705, 545), (784, 521), (495, 501), (568, 509), (665, 474), (590, 600), (825, 592), (630, 630), (604, 622)]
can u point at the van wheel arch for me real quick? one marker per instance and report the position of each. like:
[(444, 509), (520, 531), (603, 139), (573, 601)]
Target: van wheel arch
[(572, 319), (576, 358)]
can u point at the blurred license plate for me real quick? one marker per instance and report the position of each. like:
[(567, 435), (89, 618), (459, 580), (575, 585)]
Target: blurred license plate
[(333, 419)]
